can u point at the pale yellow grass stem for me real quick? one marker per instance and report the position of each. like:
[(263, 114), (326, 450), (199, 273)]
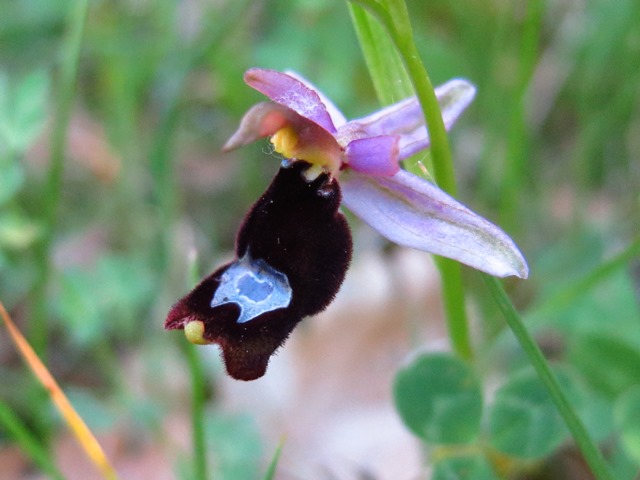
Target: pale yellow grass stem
[(86, 439)]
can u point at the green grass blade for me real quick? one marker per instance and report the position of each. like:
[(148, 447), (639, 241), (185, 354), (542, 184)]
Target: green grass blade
[(387, 72), (52, 190), (28, 442), (563, 297), (589, 449), (271, 469)]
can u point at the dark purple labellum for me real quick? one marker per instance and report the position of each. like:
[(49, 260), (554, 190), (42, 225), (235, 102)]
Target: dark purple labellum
[(293, 249)]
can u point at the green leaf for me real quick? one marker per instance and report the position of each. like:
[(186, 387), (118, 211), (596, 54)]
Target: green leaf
[(16, 231), (524, 421), (92, 407), (79, 308), (627, 418), (464, 468), (622, 465), (595, 411), (104, 300), (610, 364), (236, 446), (11, 179), (23, 110), (439, 398)]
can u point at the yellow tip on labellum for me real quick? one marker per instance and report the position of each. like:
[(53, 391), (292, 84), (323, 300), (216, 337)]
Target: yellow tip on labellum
[(194, 331)]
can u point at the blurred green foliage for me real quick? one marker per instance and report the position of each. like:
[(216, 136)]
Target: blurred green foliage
[(439, 399), (159, 91)]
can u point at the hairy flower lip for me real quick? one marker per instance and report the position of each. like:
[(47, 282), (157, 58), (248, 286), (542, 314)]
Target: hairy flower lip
[(296, 235)]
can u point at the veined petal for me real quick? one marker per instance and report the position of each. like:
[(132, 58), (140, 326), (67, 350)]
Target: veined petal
[(406, 119), (415, 213), (374, 155), (334, 112), (399, 119), (262, 120), (454, 97), (291, 93)]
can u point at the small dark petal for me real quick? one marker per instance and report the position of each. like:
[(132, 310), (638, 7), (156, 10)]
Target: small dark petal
[(296, 228)]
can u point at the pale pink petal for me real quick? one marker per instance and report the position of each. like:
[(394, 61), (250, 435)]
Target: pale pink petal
[(406, 119), (415, 213), (374, 155), (291, 93), (454, 97), (262, 120), (334, 112)]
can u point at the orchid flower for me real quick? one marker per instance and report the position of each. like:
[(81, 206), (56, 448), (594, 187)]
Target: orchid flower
[(294, 246), (364, 155)]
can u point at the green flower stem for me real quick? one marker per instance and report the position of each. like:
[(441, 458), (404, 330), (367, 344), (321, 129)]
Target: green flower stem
[(52, 189), (198, 396), (31, 445), (454, 306), (394, 17), (587, 446)]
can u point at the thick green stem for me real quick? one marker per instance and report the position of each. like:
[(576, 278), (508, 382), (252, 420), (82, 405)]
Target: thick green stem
[(587, 446), (394, 17)]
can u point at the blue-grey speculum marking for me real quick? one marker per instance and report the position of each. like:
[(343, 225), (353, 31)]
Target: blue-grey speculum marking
[(255, 286)]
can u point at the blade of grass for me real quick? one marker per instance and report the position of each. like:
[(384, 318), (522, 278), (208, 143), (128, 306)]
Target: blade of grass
[(84, 436), (587, 446), (162, 155), (28, 442), (515, 172), (53, 186), (563, 297), (387, 72), (393, 15), (271, 469)]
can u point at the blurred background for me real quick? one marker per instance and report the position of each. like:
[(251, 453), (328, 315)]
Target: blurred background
[(100, 234)]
